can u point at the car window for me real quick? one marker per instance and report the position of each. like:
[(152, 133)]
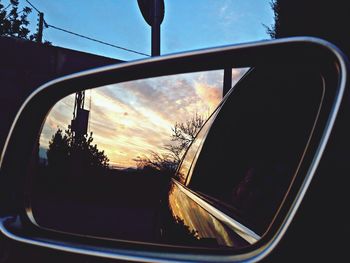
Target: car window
[(247, 161), (184, 172)]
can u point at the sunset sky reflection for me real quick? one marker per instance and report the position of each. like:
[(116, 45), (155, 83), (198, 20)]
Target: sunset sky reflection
[(131, 119)]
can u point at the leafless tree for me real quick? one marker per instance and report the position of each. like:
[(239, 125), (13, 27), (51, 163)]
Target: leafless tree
[(183, 134)]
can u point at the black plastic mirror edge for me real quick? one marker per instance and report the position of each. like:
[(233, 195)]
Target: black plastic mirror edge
[(251, 53)]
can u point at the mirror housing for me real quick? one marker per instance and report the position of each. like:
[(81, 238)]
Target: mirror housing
[(16, 222)]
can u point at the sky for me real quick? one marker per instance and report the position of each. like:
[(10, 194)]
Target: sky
[(187, 25), (131, 119)]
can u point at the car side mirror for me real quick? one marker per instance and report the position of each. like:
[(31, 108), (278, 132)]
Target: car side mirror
[(151, 161)]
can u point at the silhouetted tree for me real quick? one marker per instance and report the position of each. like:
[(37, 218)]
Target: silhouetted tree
[(75, 153), (59, 149), (14, 23), (183, 134), (160, 162), (324, 19)]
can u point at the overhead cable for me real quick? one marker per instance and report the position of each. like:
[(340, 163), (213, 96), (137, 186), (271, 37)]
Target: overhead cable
[(96, 40), (86, 37), (36, 9)]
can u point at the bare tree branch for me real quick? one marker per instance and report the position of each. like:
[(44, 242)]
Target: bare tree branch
[(183, 134)]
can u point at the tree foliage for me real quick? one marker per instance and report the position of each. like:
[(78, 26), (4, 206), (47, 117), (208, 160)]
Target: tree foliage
[(323, 19), (14, 22), (72, 154)]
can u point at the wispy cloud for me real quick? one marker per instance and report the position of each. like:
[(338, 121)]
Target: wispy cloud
[(227, 14), (133, 118)]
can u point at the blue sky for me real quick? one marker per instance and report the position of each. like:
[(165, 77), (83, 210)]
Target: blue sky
[(187, 25)]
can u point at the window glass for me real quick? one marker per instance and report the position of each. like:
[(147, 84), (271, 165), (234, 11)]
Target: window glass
[(184, 172), (247, 161)]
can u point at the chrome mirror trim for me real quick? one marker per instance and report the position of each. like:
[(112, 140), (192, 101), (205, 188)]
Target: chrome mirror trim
[(140, 256)]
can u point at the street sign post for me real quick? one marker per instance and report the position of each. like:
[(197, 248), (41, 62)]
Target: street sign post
[(153, 12)]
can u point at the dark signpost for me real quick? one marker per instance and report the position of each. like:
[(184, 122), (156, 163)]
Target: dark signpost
[(153, 12)]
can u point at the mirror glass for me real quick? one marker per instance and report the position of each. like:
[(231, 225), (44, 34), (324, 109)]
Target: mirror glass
[(167, 160)]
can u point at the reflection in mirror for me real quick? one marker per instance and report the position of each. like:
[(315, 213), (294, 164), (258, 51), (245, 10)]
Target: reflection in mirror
[(107, 157), (161, 160), (254, 148)]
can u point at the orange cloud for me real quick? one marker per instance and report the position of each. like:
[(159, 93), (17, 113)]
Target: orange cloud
[(133, 118), (210, 95)]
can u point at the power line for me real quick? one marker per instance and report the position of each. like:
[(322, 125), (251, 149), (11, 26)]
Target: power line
[(96, 40), (86, 37), (36, 9)]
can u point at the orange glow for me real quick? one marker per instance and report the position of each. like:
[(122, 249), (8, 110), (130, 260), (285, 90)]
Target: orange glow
[(133, 118), (197, 219)]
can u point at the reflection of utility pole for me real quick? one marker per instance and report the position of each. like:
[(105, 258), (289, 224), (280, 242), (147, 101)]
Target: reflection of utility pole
[(227, 81), (79, 124), (79, 127), (39, 37), (153, 12)]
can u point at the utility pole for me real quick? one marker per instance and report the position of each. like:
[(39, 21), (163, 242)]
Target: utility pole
[(80, 121), (39, 37), (227, 85)]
